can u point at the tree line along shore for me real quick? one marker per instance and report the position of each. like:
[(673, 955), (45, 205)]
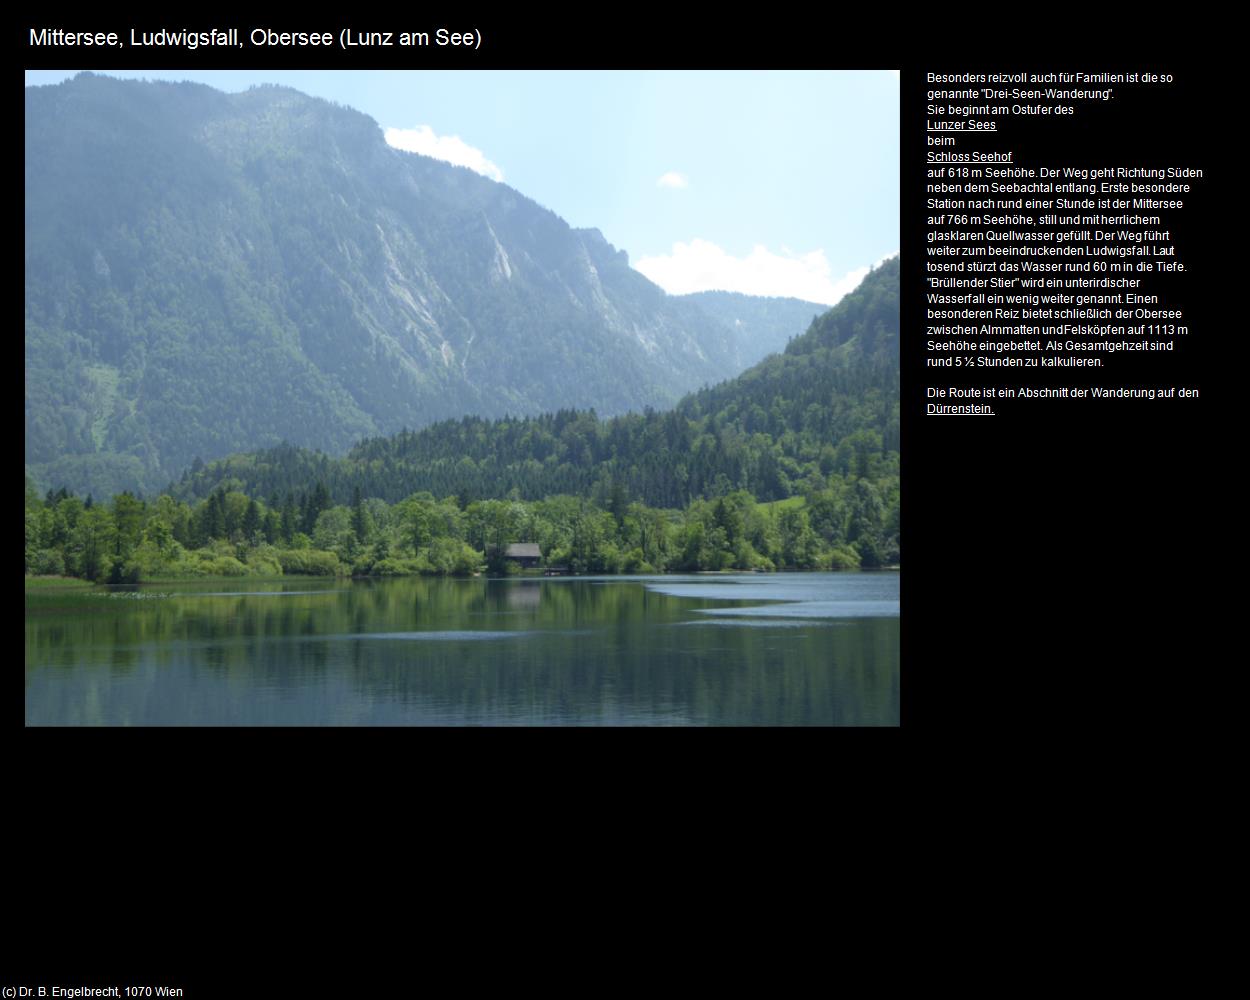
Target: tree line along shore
[(848, 525)]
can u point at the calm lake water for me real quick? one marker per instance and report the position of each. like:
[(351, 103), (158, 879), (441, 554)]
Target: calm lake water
[(818, 649)]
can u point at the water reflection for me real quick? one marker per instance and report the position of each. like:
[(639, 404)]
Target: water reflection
[(812, 649)]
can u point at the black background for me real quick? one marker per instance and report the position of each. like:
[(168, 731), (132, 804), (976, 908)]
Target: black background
[(1064, 544), (1058, 604)]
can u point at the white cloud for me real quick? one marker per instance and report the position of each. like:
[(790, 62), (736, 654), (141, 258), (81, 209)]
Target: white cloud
[(700, 266), (450, 148), (672, 179)]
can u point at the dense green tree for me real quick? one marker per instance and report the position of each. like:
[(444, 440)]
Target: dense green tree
[(289, 519), (252, 522), (93, 544), (333, 533), (416, 515), (129, 516), (360, 523)]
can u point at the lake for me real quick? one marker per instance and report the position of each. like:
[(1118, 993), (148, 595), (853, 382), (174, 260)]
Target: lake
[(802, 649)]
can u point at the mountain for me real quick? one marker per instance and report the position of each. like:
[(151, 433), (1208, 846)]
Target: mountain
[(208, 272), (824, 410), (760, 325)]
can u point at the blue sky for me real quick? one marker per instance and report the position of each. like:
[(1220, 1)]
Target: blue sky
[(771, 183)]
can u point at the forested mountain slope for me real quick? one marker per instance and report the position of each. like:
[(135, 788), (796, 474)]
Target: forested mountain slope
[(207, 273), (825, 410)]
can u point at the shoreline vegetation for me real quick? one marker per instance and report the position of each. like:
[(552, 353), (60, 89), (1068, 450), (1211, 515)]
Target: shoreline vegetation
[(58, 583), (72, 541)]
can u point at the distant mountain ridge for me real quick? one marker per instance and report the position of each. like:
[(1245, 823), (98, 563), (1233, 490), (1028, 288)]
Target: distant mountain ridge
[(207, 273), (759, 325)]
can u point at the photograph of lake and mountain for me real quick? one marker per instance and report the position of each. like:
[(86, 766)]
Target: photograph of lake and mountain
[(398, 398)]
